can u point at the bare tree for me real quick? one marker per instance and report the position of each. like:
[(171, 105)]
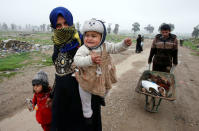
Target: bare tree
[(149, 28), (109, 28), (43, 27), (19, 27), (28, 27), (13, 27), (195, 32), (136, 27), (48, 28), (116, 29), (35, 28), (5, 26)]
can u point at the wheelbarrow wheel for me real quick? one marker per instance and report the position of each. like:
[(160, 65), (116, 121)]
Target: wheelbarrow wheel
[(153, 104)]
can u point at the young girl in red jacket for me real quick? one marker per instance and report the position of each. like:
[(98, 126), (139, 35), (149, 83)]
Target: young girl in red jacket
[(41, 91)]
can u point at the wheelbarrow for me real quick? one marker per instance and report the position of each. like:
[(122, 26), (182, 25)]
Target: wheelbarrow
[(152, 101)]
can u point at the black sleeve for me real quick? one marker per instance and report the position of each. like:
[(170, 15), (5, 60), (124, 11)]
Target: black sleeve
[(175, 57), (175, 52), (152, 53), (52, 91), (55, 53)]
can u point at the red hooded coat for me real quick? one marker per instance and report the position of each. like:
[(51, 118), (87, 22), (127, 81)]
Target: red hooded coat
[(43, 113)]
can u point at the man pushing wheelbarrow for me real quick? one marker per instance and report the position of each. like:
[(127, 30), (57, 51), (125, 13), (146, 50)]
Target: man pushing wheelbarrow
[(159, 83)]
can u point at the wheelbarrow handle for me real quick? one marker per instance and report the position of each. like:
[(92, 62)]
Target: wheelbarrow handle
[(172, 69), (149, 67)]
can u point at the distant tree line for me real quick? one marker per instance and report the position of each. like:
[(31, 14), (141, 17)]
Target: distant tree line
[(135, 28), (28, 27), (47, 28)]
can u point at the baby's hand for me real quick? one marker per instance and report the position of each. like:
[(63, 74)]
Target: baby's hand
[(128, 41), (96, 58)]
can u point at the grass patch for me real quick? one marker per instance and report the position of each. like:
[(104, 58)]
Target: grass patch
[(34, 59), (190, 45), (47, 60), (44, 38), (13, 61), (33, 38), (7, 75), (41, 59), (116, 38), (195, 53), (10, 64)]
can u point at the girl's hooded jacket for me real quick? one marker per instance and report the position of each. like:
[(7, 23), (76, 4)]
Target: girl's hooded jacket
[(43, 113)]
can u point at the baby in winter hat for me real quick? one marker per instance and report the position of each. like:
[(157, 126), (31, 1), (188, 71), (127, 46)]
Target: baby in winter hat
[(96, 72)]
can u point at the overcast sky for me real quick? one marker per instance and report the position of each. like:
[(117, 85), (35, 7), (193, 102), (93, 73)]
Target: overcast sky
[(184, 14)]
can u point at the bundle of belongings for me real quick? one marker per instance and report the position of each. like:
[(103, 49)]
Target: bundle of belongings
[(156, 85)]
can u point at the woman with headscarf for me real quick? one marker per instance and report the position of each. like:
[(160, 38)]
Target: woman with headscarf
[(66, 106)]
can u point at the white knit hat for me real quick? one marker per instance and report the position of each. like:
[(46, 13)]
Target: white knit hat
[(93, 25)]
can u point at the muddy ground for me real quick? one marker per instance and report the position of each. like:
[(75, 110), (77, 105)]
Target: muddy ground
[(124, 109)]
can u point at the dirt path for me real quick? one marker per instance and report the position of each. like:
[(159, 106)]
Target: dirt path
[(125, 108), (13, 93)]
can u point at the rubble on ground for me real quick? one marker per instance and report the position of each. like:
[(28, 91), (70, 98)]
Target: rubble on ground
[(11, 46)]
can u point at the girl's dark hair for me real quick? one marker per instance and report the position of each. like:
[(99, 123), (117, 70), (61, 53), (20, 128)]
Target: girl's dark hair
[(45, 86), (165, 27)]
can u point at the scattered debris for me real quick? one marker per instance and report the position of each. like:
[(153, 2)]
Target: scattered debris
[(14, 46)]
